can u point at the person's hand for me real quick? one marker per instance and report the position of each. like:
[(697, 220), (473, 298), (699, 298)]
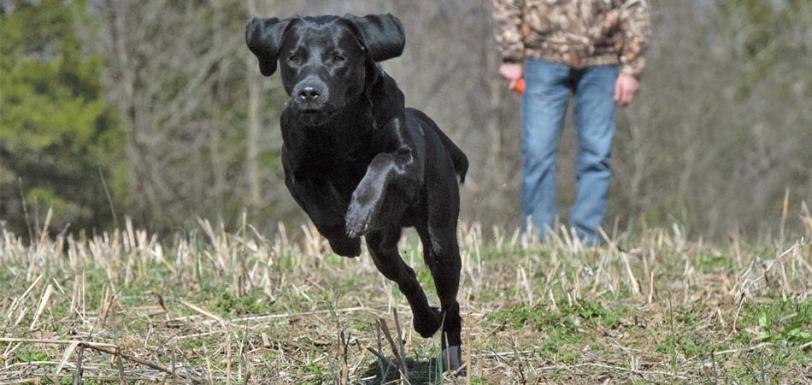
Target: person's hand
[(511, 72), (625, 89)]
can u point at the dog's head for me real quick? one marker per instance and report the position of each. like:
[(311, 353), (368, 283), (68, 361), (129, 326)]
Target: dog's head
[(326, 62)]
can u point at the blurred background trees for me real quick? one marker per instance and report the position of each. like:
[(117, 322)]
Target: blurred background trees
[(155, 109), (59, 138)]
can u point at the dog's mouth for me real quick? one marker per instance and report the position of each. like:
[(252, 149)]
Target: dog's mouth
[(315, 116)]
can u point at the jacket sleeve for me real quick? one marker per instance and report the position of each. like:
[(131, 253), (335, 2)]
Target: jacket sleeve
[(508, 15), (636, 24)]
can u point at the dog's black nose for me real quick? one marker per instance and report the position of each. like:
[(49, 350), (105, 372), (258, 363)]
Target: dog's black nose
[(309, 94)]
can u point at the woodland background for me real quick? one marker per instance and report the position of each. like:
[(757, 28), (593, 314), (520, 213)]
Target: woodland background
[(155, 110)]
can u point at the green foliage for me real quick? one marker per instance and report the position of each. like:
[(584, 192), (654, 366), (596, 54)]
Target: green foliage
[(568, 316), (711, 262), (563, 328), (778, 322), (57, 134), (31, 356), (253, 302)]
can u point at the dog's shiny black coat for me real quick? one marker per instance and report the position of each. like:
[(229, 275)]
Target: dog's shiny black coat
[(358, 161)]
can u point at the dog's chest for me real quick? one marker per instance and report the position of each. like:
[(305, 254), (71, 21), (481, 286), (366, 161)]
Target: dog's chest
[(341, 163)]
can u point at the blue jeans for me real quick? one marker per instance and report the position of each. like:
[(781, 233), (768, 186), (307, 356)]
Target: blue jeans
[(548, 87)]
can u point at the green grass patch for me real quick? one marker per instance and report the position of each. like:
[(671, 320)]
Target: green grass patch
[(253, 302), (568, 315), (778, 321), (31, 356)]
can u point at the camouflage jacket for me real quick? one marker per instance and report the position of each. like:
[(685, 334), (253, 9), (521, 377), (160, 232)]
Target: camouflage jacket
[(579, 33)]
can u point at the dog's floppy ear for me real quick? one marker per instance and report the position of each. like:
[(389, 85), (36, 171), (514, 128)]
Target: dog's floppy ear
[(264, 38), (381, 35)]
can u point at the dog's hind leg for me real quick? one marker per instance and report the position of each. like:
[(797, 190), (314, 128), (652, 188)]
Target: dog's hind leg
[(382, 244), (441, 252)]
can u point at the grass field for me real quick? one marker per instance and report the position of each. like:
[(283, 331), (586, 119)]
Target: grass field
[(237, 307)]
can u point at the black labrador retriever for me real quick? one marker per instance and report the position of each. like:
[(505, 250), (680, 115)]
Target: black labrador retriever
[(359, 162)]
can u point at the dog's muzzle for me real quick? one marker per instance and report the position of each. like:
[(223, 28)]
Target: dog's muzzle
[(310, 95)]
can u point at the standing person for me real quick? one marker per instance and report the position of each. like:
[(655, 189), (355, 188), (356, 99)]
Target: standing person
[(592, 49)]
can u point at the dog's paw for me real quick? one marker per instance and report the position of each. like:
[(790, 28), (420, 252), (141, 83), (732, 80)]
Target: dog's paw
[(345, 247), (357, 219), (428, 324)]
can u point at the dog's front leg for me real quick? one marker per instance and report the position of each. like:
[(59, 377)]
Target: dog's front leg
[(391, 177), (326, 209)]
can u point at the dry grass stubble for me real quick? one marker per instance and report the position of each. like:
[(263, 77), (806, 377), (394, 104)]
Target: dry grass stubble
[(235, 307)]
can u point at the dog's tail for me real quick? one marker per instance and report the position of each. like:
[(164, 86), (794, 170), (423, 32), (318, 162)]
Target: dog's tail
[(457, 156)]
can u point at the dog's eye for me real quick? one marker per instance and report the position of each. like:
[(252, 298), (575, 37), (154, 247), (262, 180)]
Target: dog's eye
[(339, 58), (293, 58)]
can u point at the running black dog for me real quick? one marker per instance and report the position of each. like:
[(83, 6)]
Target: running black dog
[(359, 162)]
